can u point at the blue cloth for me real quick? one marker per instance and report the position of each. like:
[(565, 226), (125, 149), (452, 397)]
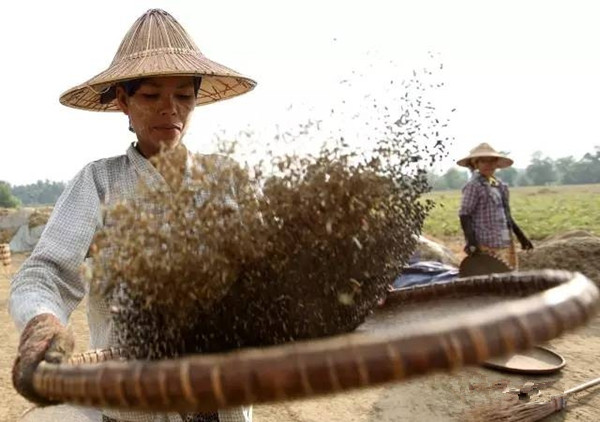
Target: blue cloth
[(425, 272)]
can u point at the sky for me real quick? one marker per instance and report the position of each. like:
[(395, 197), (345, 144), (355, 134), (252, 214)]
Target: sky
[(523, 75)]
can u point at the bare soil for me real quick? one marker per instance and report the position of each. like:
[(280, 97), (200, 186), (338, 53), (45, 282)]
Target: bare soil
[(437, 397)]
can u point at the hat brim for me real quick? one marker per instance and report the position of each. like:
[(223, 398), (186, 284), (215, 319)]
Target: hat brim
[(218, 81), (503, 161)]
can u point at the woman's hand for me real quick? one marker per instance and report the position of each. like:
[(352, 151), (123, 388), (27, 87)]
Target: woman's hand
[(523, 240), (44, 338), (471, 249), (526, 244)]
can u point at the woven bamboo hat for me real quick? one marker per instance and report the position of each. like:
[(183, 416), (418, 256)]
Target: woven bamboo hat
[(485, 150), (157, 45)]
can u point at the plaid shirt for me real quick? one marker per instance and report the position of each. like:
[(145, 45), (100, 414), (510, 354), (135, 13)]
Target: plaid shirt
[(483, 202), (49, 281)]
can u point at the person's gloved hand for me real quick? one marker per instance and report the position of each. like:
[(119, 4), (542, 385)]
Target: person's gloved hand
[(466, 222), (523, 240), (471, 249), (526, 244), (44, 338)]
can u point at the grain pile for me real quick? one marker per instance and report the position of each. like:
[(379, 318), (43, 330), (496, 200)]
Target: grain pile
[(6, 235), (39, 216), (573, 251)]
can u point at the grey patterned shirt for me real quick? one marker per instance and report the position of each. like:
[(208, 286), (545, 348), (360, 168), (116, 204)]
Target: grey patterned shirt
[(50, 281)]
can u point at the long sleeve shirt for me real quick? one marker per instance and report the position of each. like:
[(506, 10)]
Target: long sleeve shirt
[(485, 203), (50, 280)]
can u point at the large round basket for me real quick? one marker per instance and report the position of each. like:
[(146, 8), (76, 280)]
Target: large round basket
[(417, 331)]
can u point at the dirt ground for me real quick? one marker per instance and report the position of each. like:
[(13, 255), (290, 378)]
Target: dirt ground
[(439, 397)]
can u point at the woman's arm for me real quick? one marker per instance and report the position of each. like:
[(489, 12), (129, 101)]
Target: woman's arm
[(523, 240), (48, 287), (49, 280), (469, 201)]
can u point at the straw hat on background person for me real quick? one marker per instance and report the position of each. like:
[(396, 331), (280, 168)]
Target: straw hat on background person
[(485, 150), (157, 45)]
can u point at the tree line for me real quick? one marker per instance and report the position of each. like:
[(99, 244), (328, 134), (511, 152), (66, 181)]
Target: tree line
[(541, 171), (43, 192)]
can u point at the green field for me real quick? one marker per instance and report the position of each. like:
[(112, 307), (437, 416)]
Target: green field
[(540, 211)]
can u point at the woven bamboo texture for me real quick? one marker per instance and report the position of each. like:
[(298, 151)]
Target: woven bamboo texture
[(5, 260), (539, 306)]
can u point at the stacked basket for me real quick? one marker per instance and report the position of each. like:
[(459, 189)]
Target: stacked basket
[(4, 255)]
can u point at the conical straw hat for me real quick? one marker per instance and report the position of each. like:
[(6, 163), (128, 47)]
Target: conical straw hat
[(485, 150), (157, 45)]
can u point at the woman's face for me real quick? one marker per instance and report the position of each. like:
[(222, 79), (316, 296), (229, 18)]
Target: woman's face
[(486, 165), (159, 111)]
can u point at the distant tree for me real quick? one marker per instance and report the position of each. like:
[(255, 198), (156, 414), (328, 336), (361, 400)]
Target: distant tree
[(585, 170), (508, 175), (523, 179), (7, 199), (565, 169), (435, 181), (39, 193), (455, 178), (591, 165), (541, 171)]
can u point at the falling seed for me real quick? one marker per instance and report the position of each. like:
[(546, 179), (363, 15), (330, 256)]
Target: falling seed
[(345, 299), (328, 226), (357, 243), (260, 269)]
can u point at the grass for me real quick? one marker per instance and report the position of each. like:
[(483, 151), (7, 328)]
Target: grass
[(540, 211)]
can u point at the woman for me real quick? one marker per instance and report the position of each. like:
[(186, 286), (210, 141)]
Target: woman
[(485, 212), (157, 78)]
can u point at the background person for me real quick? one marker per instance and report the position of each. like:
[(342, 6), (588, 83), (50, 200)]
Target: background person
[(485, 215)]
